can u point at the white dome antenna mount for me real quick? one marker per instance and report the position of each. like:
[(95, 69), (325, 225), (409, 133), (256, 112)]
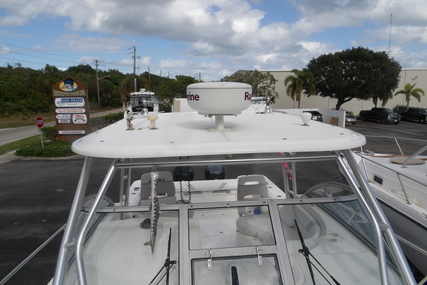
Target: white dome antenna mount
[(219, 99)]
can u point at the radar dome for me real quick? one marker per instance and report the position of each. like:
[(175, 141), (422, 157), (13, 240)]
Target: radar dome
[(219, 98)]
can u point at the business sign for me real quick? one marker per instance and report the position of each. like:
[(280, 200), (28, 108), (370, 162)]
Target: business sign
[(70, 102), (64, 117), (79, 119), (72, 132), (72, 109)]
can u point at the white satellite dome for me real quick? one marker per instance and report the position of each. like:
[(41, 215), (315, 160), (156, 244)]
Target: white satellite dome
[(219, 98)]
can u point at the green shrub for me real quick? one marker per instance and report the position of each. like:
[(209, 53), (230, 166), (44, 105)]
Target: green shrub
[(54, 149), (101, 122), (49, 133)]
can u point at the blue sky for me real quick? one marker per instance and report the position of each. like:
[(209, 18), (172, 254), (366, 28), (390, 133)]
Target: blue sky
[(213, 38)]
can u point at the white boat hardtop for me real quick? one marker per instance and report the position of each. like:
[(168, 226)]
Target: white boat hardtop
[(188, 134)]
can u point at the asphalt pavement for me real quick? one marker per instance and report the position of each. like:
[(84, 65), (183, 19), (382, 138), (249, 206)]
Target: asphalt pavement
[(36, 195)]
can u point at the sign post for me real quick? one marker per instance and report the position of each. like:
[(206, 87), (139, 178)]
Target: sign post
[(72, 109), (39, 124)]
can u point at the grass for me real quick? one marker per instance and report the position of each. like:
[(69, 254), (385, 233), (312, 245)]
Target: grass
[(53, 149), (19, 144), (31, 147)]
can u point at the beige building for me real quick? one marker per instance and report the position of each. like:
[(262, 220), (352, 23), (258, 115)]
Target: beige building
[(407, 75)]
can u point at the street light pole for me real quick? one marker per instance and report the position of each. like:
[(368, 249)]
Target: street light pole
[(97, 87)]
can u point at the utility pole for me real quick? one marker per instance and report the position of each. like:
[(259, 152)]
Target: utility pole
[(134, 64), (389, 37), (97, 84)]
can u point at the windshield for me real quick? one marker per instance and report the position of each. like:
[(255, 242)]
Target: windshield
[(230, 227), (118, 237)]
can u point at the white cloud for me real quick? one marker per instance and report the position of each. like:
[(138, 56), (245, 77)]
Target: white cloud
[(219, 36), (5, 50), (75, 42)]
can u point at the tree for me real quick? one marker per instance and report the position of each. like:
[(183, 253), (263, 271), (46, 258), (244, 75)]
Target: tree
[(409, 91), (169, 89), (298, 83), (263, 83), (357, 73)]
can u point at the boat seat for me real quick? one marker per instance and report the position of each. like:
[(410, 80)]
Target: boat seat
[(253, 186), (165, 188)]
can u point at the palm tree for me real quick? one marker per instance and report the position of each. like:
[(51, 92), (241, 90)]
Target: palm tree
[(409, 91), (298, 83)]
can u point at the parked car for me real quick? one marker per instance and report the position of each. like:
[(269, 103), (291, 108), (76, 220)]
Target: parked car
[(315, 115), (350, 118), (383, 115), (415, 114)]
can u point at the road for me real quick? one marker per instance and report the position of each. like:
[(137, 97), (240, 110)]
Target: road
[(35, 198), (14, 134)]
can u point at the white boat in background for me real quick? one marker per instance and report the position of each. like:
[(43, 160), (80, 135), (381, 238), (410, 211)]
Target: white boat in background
[(144, 101), (400, 184), (177, 223)]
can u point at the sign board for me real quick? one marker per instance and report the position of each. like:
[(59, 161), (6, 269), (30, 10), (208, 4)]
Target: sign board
[(70, 102), (72, 109), (64, 117), (39, 122), (72, 132), (79, 119)]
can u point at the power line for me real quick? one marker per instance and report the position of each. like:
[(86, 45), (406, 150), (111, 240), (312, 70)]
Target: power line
[(14, 52), (78, 60), (34, 50), (19, 61)]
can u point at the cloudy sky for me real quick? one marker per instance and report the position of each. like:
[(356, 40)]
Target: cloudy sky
[(206, 38)]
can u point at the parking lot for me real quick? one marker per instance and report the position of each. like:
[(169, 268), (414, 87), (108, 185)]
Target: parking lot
[(35, 197), (415, 132)]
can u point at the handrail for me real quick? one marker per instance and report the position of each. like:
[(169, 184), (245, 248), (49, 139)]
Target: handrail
[(413, 155), (407, 177), (374, 212), (25, 261), (397, 142)]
